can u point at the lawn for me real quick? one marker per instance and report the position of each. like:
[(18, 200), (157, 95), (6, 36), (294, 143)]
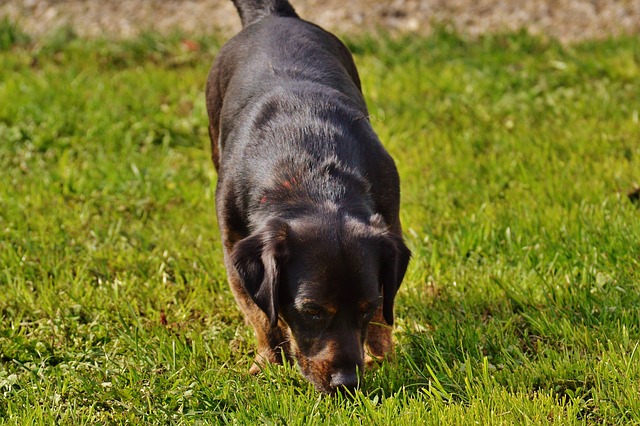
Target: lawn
[(521, 304)]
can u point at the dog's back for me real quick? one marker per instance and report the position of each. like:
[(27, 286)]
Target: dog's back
[(276, 49), (297, 90)]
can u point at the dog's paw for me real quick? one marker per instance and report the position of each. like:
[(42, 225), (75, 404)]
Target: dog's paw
[(263, 358), (255, 368), (374, 361)]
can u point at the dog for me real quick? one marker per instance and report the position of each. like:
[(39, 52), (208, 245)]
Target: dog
[(307, 198)]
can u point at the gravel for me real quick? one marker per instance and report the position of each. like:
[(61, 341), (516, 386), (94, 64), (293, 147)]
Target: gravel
[(566, 20)]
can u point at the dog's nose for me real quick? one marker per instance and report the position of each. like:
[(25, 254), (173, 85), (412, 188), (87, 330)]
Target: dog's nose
[(344, 380)]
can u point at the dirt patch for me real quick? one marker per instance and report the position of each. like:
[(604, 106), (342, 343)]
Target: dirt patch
[(567, 20)]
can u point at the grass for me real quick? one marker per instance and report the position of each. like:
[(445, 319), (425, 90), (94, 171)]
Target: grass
[(521, 304)]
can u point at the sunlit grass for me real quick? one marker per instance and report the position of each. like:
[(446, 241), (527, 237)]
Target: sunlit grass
[(520, 305)]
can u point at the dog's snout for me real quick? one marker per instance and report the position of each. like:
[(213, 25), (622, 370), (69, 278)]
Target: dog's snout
[(345, 380)]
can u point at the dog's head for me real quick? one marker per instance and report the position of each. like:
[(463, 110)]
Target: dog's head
[(325, 276)]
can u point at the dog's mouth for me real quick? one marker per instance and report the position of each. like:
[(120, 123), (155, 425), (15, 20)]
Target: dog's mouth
[(322, 373)]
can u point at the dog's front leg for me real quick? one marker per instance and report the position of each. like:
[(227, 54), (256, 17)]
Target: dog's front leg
[(272, 341), (379, 340)]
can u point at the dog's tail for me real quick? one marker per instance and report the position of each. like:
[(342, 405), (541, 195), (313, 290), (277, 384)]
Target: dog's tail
[(251, 11)]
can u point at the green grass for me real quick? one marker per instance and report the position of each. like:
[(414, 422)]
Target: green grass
[(521, 304)]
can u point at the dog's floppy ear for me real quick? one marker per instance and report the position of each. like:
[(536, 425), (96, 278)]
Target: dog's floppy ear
[(395, 259), (258, 259)]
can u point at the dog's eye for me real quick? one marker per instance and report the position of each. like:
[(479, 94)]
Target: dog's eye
[(315, 313)]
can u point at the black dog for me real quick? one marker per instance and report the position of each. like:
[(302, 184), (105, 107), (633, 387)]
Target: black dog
[(307, 197)]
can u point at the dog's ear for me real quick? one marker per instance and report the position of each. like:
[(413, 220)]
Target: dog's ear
[(258, 259), (395, 260)]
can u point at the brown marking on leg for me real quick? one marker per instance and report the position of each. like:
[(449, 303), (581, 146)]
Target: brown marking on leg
[(271, 346), (379, 343), (272, 341), (379, 340)]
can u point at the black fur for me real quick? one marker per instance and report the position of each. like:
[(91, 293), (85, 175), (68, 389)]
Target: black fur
[(307, 197)]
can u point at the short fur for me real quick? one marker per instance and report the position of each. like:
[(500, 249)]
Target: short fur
[(307, 198)]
